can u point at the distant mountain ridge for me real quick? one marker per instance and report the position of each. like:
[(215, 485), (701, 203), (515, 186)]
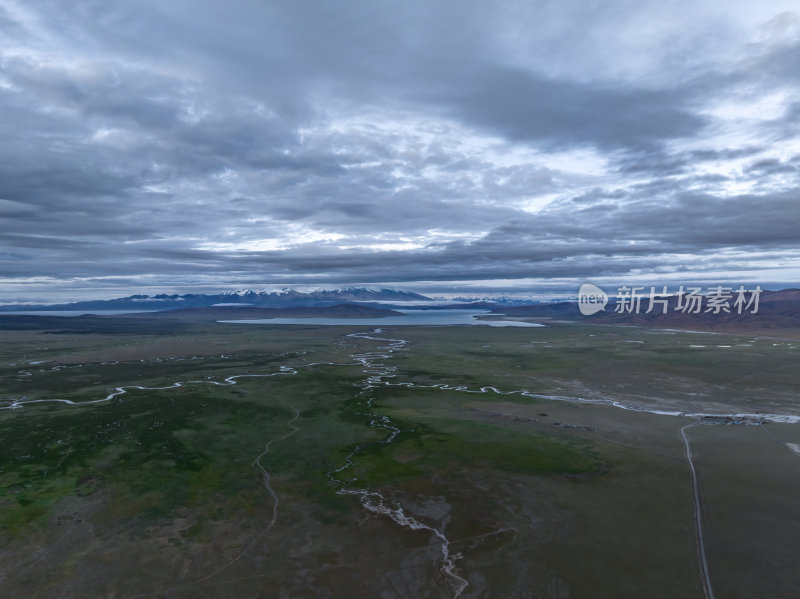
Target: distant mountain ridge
[(777, 310), (260, 299), (343, 311)]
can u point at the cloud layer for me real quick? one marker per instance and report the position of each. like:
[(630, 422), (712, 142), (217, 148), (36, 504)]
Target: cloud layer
[(428, 145)]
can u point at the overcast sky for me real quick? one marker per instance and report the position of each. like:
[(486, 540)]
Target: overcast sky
[(479, 147)]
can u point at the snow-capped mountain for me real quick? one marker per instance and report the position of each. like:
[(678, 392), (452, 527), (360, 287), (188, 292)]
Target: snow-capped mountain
[(245, 297)]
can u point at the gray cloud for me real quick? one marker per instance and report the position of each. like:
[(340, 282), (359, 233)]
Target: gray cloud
[(523, 106), (146, 144)]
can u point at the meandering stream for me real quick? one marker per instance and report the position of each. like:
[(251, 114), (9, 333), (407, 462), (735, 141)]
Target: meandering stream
[(371, 499)]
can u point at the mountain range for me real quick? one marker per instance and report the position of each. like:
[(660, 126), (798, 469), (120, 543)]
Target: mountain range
[(259, 299), (776, 310), (253, 313)]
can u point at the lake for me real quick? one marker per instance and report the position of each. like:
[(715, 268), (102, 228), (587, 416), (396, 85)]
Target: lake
[(410, 317)]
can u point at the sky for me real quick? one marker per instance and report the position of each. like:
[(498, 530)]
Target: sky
[(472, 148)]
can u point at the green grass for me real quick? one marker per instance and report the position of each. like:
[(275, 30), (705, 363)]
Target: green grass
[(436, 444), (169, 473)]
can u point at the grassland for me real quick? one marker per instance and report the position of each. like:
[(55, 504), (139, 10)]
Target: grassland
[(155, 492)]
